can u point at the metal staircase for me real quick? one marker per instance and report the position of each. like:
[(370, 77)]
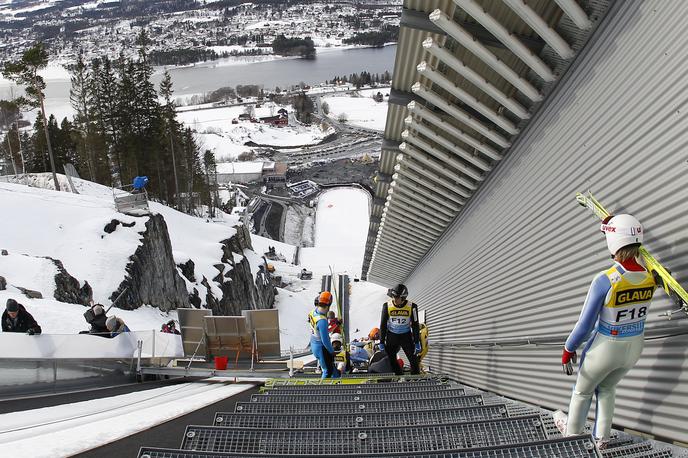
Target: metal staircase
[(427, 416)]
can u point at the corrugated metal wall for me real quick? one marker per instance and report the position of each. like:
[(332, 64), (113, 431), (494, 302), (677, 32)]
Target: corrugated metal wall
[(518, 260)]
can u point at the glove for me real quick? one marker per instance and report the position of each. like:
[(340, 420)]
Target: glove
[(568, 359), (381, 346), (418, 348), (30, 332)]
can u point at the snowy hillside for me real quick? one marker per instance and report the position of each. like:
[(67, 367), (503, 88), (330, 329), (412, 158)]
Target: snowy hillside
[(69, 227)]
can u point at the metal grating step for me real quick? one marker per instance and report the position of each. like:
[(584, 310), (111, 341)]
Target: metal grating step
[(365, 397), (360, 420), (354, 379), (570, 447), (352, 407), (642, 449), (365, 387), (408, 440)]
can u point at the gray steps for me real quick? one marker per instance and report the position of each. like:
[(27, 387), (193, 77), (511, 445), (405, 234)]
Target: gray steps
[(404, 439), (352, 407), (363, 397), (570, 447), (361, 420), (425, 418)]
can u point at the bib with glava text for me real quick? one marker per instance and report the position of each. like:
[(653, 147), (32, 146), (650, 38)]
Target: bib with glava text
[(399, 318), (313, 319), (627, 302)]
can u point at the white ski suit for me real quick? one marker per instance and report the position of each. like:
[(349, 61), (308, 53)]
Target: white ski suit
[(614, 317)]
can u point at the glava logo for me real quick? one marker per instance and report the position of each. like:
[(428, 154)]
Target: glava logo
[(634, 295)]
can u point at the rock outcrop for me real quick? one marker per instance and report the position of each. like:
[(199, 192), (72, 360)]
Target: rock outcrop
[(241, 289), (151, 275), (68, 289)]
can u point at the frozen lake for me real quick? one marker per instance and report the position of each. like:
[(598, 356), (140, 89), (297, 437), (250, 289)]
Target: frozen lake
[(208, 76)]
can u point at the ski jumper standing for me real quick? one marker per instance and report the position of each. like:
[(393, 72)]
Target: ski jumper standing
[(399, 329), (320, 339), (613, 317)]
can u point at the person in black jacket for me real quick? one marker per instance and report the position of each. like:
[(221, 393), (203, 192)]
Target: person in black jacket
[(98, 324), (399, 329), (15, 318)]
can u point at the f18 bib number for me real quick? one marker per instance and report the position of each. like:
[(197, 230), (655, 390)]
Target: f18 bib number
[(630, 314)]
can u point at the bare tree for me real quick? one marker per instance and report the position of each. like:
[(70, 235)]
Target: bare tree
[(25, 73)]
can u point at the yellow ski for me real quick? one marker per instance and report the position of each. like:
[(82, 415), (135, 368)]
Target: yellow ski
[(670, 285)]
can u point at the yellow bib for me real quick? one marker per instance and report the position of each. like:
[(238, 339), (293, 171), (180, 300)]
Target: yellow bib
[(313, 319), (625, 308), (399, 318), (340, 357)]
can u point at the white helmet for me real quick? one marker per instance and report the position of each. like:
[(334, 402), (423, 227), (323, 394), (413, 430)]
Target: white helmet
[(621, 231), (336, 337)]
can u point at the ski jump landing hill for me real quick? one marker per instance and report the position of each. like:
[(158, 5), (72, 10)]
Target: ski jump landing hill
[(489, 136)]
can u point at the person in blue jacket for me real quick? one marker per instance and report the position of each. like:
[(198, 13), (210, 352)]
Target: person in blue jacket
[(612, 325), (320, 339)]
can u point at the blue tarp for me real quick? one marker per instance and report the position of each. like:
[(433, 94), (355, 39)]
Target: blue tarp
[(140, 182)]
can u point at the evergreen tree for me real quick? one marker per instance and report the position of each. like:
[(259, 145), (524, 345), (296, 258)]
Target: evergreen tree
[(83, 132), (168, 115)]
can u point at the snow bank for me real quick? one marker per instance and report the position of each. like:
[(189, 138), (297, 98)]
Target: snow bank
[(366, 301), (69, 227), (37, 274)]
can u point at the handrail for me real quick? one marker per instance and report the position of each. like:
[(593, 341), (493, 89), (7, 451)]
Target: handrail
[(654, 333)]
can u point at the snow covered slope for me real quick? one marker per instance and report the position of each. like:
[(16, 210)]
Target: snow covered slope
[(341, 229), (70, 227)]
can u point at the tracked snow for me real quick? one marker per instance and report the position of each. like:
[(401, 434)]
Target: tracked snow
[(66, 430)]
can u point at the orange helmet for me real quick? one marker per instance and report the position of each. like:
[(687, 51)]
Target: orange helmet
[(374, 334), (325, 298)]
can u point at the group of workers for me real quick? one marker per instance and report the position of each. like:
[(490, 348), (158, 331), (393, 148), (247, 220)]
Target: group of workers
[(399, 329)]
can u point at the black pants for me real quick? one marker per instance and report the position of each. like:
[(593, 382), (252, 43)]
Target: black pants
[(329, 362), (405, 342)]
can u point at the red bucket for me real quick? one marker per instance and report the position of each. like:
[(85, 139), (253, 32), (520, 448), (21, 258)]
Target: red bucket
[(221, 363)]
